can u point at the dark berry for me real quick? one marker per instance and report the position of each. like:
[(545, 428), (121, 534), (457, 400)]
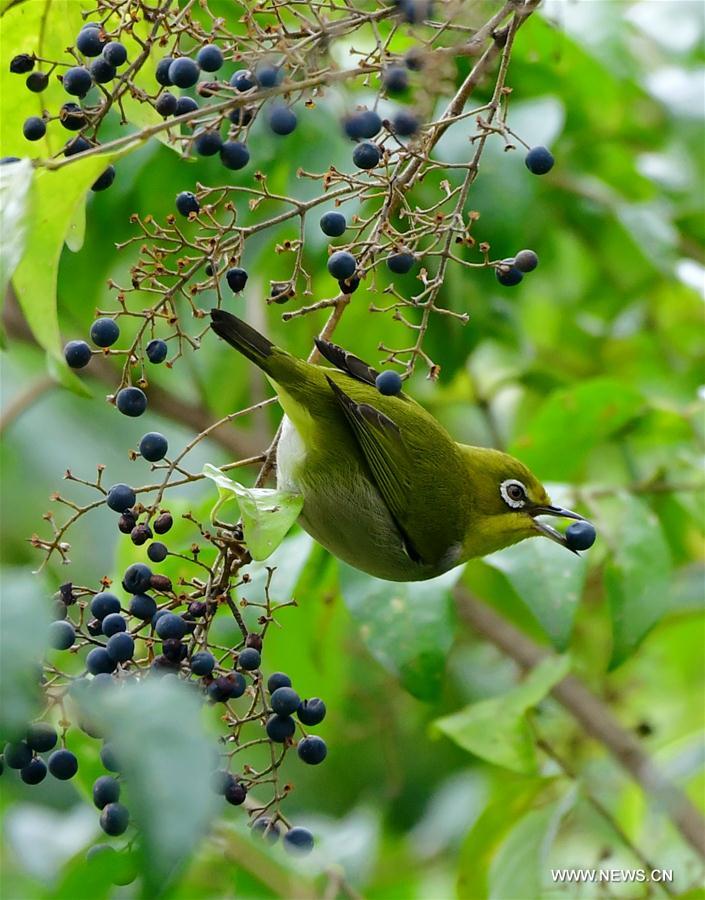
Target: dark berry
[(137, 578), (526, 260), (539, 160), (115, 53), (268, 76), (282, 120), (298, 841), (106, 789), (121, 647), (34, 128), (414, 59), (163, 523), (333, 224), (366, 155), (77, 81), (405, 124), (94, 627), (72, 117), (103, 182), (197, 609), (41, 737), (363, 124), (104, 332), (121, 497), (395, 79), (269, 830), (104, 604), (277, 680), (157, 551), (77, 145), (102, 71), (114, 819), (234, 155), (312, 750), (580, 536), (237, 279), (187, 203), (227, 687), (349, 285), (185, 105), (279, 728), (34, 772), (311, 712), (156, 351), (112, 624), (285, 701), (109, 759), (388, 383), (202, 663), (209, 58), (162, 71), (166, 104), (63, 764), (341, 264), (17, 755), (241, 116), (140, 534), (89, 42), (131, 401), (249, 659), (208, 143), (171, 626), (508, 274), (21, 64), (184, 72), (153, 446), (242, 80), (142, 606), (400, 263), (37, 82), (221, 780), (99, 660), (77, 354), (235, 793)]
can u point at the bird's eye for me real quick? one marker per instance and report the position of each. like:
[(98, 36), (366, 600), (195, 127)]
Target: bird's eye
[(513, 493)]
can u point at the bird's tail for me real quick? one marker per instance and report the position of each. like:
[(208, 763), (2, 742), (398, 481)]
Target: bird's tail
[(243, 337)]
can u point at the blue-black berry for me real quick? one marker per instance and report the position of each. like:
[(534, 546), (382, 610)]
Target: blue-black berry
[(106, 789), (41, 737), (121, 497), (580, 535), (366, 155), (63, 764), (114, 819), (234, 155), (103, 181), (89, 42), (166, 104), (388, 383), (268, 76), (187, 203), (153, 446), (137, 578), (242, 80), (298, 841), (333, 224), (34, 772), (121, 647), (112, 624), (77, 354), (131, 401), (21, 64), (282, 119), (37, 82), (341, 264), (400, 263), (34, 128), (99, 660), (104, 604), (249, 659), (17, 755), (77, 81), (285, 701), (237, 279), (202, 663), (171, 626), (311, 712), (363, 124), (208, 143), (209, 58), (104, 332), (279, 728), (142, 606), (508, 274), (277, 680), (115, 53), (268, 829), (109, 758), (61, 635), (162, 71), (183, 72), (77, 145), (526, 260), (156, 351), (539, 160), (72, 117), (102, 71), (157, 551), (185, 105), (312, 750), (405, 124)]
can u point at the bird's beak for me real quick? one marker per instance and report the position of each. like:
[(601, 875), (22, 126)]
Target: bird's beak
[(548, 530)]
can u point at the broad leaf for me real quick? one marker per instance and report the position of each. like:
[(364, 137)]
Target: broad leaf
[(15, 182), (267, 514), (24, 621), (166, 757), (496, 729), (548, 579), (638, 573), (571, 423), (408, 627)]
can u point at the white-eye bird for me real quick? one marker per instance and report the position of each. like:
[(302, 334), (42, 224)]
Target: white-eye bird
[(385, 487)]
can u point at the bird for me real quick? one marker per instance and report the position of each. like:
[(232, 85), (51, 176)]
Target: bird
[(385, 487)]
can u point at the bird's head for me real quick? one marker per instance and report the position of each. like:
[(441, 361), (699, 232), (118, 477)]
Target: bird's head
[(508, 503)]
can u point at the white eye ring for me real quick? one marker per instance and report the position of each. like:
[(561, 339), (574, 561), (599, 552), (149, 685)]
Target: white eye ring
[(514, 502)]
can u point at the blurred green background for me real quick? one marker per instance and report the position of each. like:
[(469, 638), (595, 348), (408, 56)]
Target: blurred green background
[(591, 371)]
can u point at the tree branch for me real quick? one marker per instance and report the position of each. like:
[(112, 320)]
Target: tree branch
[(593, 715)]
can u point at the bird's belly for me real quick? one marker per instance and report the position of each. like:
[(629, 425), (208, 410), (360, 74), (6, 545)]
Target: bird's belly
[(345, 513)]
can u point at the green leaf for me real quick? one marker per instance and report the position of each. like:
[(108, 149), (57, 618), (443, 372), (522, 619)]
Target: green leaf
[(575, 420), (408, 627), (267, 514), (156, 730), (637, 575), (496, 729), (15, 182), (548, 579), (512, 797), (24, 620), (56, 197)]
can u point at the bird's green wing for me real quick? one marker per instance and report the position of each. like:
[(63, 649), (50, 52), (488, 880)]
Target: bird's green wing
[(387, 456)]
